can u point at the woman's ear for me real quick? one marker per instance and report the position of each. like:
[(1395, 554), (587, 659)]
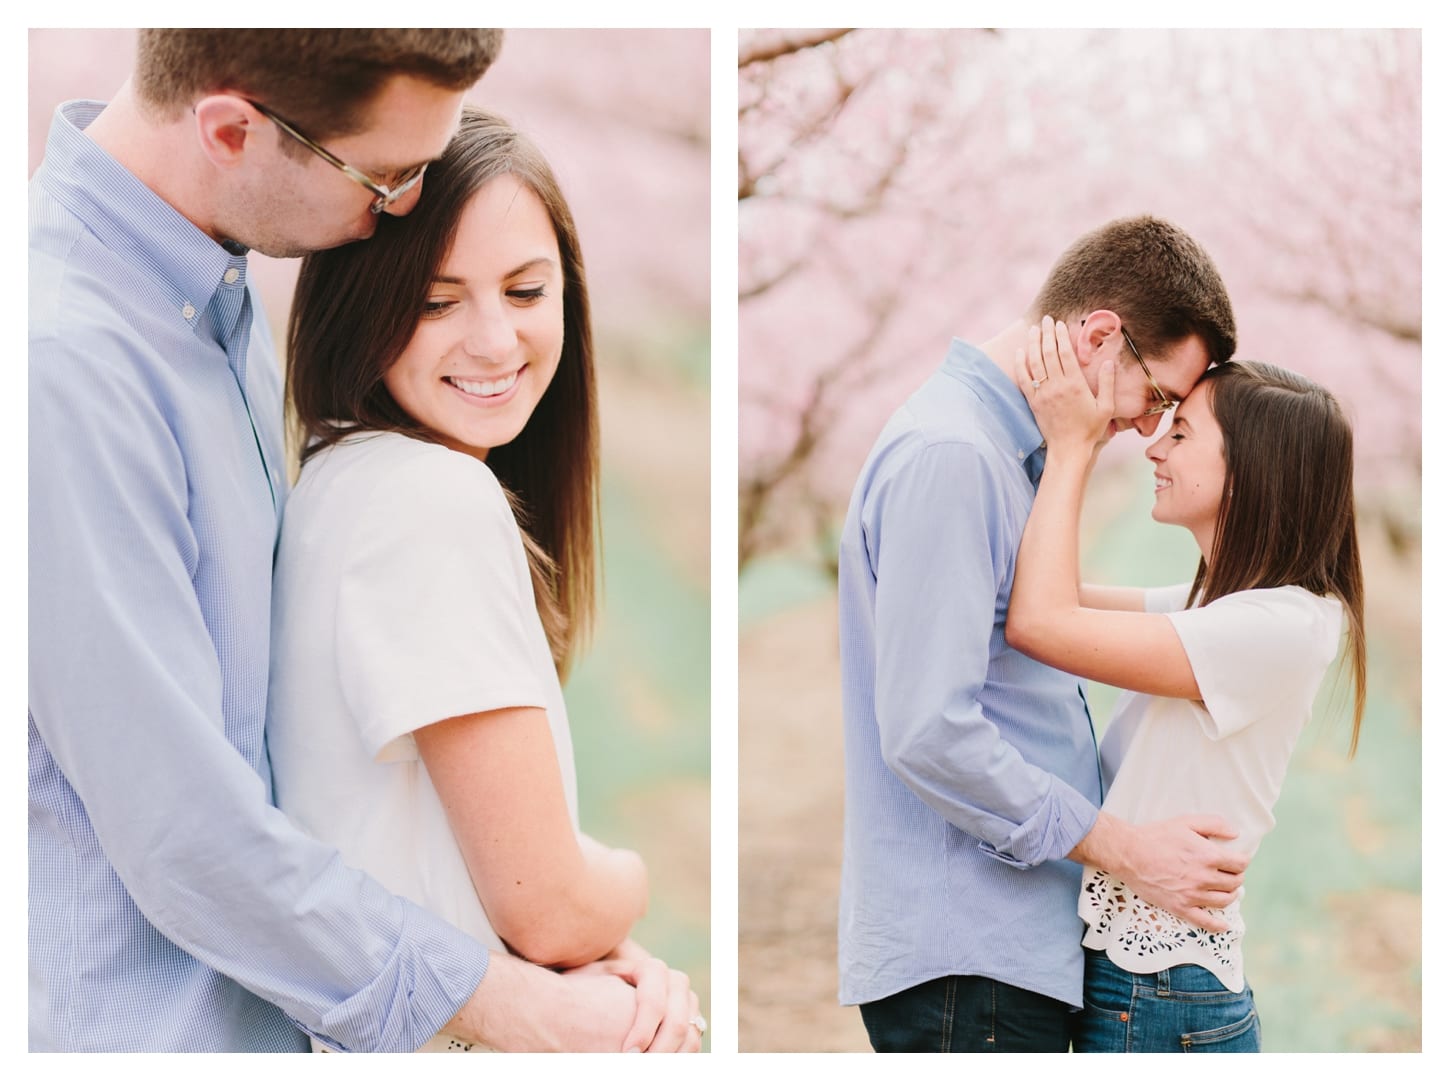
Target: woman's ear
[(225, 125)]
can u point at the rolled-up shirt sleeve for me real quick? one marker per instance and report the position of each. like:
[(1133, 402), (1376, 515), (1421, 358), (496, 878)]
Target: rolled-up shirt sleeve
[(127, 697), (942, 551)]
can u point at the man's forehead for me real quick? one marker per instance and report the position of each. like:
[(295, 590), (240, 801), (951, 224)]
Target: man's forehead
[(1182, 367), (408, 123)]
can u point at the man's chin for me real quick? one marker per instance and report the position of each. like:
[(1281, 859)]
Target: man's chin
[(285, 249)]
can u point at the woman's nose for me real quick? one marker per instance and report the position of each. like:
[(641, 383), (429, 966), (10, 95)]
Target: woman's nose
[(491, 333)]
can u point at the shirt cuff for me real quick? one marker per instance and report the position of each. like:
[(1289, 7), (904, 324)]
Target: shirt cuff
[(1061, 822), (435, 969)]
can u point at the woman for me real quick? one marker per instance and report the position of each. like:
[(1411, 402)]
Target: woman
[(1258, 465), (435, 575)]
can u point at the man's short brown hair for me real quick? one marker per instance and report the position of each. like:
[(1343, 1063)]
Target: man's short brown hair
[(1156, 277), (320, 80)]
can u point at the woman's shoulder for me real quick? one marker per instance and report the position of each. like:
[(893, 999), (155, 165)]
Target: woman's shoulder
[(1282, 599), (382, 484), (391, 462), (1291, 616)]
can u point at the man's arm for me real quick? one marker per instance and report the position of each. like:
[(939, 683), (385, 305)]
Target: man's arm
[(941, 548), (126, 693)]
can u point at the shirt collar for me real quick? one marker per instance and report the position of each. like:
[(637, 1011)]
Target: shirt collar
[(129, 218), (972, 367)]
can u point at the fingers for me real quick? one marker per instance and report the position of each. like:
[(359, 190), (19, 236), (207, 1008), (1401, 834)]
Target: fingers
[(1036, 366), (651, 979), (1202, 917), (1020, 372), (677, 1031), (1211, 826), (1056, 347)]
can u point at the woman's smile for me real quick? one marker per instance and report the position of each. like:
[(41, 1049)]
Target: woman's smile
[(485, 392)]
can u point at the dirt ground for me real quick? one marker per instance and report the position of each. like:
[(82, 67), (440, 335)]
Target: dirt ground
[(790, 835)]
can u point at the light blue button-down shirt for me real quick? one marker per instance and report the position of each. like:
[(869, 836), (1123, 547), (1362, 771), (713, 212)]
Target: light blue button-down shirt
[(171, 906), (971, 769)]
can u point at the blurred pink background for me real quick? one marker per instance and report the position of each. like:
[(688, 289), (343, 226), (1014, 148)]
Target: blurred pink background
[(899, 187)]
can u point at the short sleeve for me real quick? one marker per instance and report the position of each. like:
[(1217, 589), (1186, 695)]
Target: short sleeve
[(1165, 599), (1253, 653), (436, 614)]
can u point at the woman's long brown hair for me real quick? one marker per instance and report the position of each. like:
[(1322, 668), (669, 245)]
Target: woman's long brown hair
[(355, 310), (1287, 512)]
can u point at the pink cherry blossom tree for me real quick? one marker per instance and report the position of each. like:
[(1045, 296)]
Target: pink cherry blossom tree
[(900, 187)]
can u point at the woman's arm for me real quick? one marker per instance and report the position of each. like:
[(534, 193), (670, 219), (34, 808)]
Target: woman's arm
[(1046, 618), (1112, 598), (556, 897)]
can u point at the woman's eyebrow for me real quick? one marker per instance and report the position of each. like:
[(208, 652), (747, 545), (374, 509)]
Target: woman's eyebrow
[(537, 261)]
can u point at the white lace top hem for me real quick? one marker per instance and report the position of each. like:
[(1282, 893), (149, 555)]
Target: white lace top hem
[(1143, 938)]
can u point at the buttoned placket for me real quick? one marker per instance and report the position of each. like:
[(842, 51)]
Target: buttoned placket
[(232, 310)]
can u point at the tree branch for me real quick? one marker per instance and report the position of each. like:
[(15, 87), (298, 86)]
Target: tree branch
[(789, 45)]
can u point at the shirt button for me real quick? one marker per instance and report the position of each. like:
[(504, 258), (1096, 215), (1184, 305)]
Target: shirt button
[(230, 276), (187, 311), (1021, 455)]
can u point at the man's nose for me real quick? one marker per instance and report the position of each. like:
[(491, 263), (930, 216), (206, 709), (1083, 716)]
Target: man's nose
[(1147, 425), (405, 203)]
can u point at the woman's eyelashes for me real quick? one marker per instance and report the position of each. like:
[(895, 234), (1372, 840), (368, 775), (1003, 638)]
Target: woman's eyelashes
[(437, 306)]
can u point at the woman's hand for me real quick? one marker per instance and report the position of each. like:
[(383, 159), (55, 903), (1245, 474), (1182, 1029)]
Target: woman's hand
[(1049, 376), (667, 1010)]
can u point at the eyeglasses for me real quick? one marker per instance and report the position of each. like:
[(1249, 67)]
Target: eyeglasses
[(1165, 403), (386, 196)]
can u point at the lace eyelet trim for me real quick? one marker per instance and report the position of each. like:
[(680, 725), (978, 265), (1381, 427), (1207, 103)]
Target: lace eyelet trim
[(1140, 937)]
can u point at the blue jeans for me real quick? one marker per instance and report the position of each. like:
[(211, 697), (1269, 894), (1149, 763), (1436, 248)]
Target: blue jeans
[(966, 1013), (1183, 1008)]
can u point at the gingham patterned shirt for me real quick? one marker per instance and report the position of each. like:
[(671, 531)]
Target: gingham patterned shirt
[(171, 906)]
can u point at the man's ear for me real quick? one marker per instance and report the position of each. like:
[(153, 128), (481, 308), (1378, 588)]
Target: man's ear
[(1091, 335), (225, 125)]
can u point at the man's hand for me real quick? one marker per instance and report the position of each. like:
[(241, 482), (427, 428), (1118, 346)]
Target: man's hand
[(665, 1005), (1173, 864), (522, 1007)]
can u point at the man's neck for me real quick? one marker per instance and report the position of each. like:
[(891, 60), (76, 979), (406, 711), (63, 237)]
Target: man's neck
[(161, 154), (1003, 346)]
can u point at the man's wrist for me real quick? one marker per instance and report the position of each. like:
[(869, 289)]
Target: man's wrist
[(1104, 844), (506, 1010)]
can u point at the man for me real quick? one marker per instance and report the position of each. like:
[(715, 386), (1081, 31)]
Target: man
[(171, 907), (972, 780)]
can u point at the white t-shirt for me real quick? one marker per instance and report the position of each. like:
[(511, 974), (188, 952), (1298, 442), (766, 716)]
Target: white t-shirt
[(1259, 657), (401, 597)]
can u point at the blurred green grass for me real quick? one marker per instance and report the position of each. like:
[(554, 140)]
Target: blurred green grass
[(639, 711)]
